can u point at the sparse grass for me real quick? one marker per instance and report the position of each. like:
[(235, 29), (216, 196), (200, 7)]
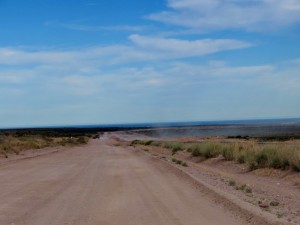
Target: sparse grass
[(231, 183), (274, 203), (179, 162), (297, 183), (149, 142), (174, 146), (184, 164), (176, 161), (279, 215), (241, 187), (248, 190), (137, 142), (145, 142), (155, 143), (15, 144), (255, 155), (206, 150)]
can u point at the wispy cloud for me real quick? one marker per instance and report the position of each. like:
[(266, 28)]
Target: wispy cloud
[(16, 76), (91, 81), (162, 89), (142, 48), (207, 15), (82, 27), (186, 48)]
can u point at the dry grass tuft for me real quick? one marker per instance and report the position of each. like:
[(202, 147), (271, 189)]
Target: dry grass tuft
[(11, 144), (256, 155)]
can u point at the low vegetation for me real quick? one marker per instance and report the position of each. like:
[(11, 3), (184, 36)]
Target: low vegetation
[(180, 162), (14, 142), (174, 146), (255, 154), (231, 183), (242, 187)]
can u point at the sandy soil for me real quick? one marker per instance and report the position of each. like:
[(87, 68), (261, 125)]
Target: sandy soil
[(100, 184)]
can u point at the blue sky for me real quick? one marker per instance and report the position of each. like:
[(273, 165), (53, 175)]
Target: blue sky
[(101, 62)]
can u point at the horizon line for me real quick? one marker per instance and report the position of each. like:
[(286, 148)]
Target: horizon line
[(155, 124)]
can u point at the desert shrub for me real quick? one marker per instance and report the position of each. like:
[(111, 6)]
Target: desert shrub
[(141, 142), (228, 152), (82, 140), (149, 142), (134, 142), (15, 142), (261, 159), (250, 159), (248, 190), (295, 161), (174, 146), (184, 164), (196, 151), (156, 143), (168, 145), (178, 162), (241, 187), (231, 182), (211, 150), (255, 155), (241, 158), (274, 203)]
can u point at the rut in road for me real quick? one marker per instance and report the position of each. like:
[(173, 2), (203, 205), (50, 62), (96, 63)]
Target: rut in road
[(98, 184)]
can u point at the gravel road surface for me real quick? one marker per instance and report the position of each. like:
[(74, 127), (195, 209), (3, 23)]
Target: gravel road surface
[(99, 184)]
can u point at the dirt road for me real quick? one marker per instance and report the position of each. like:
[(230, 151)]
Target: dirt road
[(98, 184)]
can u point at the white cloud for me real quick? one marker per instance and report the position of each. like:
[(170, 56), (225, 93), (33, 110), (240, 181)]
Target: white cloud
[(16, 56), (219, 70), (177, 48), (15, 76), (81, 27), (79, 85), (142, 48), (159, 76), (88, 71), (296, 62), (206, 15), (152, 92)]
